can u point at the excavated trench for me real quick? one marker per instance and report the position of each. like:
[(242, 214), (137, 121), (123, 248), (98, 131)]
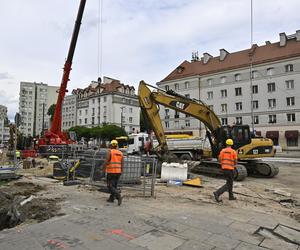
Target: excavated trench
[(19, 204)]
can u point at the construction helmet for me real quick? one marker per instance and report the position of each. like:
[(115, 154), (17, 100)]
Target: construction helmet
[(114, 143), (229, 142)]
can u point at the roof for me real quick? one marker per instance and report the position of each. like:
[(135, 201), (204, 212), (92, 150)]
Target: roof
[(261, 54)]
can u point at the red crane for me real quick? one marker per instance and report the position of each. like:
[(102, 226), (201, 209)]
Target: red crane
[(55, 136)]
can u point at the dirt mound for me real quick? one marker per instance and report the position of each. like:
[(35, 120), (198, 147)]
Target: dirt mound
[(18, 204)]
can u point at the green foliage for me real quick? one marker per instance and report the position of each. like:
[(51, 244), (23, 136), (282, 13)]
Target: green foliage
[(107, 132), (51, 111)]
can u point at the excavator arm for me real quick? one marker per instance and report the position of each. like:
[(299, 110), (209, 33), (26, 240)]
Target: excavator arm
[(149, 101)]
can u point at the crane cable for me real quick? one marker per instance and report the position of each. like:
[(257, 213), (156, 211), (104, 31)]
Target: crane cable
[(99, 38)]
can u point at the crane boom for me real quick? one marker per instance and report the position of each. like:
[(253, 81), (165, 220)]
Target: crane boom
[(55, 135)]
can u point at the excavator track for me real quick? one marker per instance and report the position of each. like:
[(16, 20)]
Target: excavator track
[(213, 168), (261, 168)]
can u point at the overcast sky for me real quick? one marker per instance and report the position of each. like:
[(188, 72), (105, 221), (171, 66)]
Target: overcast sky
[(141, 39)]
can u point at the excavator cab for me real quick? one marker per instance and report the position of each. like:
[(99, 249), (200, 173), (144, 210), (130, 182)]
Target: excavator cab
[(240, 134)]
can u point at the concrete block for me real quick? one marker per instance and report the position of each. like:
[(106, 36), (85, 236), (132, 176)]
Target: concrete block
[(277, 244), (174, 171)]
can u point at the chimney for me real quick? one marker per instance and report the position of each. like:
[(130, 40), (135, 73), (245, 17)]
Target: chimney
[(297, 35), (223, 54), (268, 42), (206, 57), (283, 39)]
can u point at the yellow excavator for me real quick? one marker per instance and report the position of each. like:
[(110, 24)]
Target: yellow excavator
[(249, 149)]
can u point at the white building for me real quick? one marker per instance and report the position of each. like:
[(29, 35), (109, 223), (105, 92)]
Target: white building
[(34, 102), (69, 112), (3, 129), (110, 102), (223, 83)]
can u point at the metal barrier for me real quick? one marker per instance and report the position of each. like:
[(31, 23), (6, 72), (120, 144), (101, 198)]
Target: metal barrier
[(138, 177)]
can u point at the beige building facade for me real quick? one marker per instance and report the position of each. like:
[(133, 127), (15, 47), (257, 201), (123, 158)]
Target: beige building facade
[(264, 94)]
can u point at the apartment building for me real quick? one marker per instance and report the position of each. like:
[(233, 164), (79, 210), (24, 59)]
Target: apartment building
[(3, 129), (108, 102), (257, 86), (69, 112), (34, 102)]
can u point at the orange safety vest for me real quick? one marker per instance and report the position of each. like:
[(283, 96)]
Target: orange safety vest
[(115, 163), (228, 158)]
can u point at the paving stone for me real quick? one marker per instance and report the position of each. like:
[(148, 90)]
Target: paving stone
[(245, 227), (222, 241), (289, 233), (109, 244), (193, 244), (24, 242), (157, 240), (173, 227), (243, 236), (277, 244), (195, 234), (247, 246), (264, 221)]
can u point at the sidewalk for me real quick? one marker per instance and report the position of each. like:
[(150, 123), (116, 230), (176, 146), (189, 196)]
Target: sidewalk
[(155, 224)]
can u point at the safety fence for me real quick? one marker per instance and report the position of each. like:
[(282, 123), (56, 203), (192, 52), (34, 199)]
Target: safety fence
[(138, 176)]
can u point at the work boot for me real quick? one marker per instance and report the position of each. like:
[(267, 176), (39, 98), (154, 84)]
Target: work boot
[(120, 200), (217, 197), (232, 198)]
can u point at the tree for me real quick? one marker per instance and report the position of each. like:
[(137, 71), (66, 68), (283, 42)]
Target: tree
[(51, 111), (144, 124), (110, 132), (81, 132)]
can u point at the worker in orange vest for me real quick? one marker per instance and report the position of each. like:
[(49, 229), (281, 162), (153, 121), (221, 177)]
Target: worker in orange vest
[(113, 167), (228, 160)]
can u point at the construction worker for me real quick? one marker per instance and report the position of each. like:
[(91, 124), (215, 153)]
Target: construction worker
[(113, 167), (18, 155), (228, 160)]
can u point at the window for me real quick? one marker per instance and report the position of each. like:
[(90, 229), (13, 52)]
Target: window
[(176, 86), (239, 120), (80, 112), (256, 119), (292, 142), (270, 71), (93, 101), (187, 123), (167, 116), (223, 79), (289, 84), (272, 103), (237, 77), (289, 68), (130, 119), (271, 87), (187, 95), (224, 107), (290, 101), (238, 106), (130, 110), (224, 121), (255, 104), (93, 120), (167, 125), (80, 121), (291, 117), (176, 124), (99, 100), (254, 74), (123, 100), (238, 91), (223, 93), (272, 118), (86, 111), (176, 114), (166, 87), (105, 99), (211, 107), (209, 82), (186, 85), (93, 110), (85, 121), (254, 89), (210, 95)]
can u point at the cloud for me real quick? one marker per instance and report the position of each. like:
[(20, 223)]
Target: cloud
[(5, 75)]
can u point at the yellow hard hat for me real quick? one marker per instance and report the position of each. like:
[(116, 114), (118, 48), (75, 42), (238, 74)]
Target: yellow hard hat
[(114, 143), (229, 142)]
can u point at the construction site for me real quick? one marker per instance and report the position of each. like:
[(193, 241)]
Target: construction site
[(225, 187)]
